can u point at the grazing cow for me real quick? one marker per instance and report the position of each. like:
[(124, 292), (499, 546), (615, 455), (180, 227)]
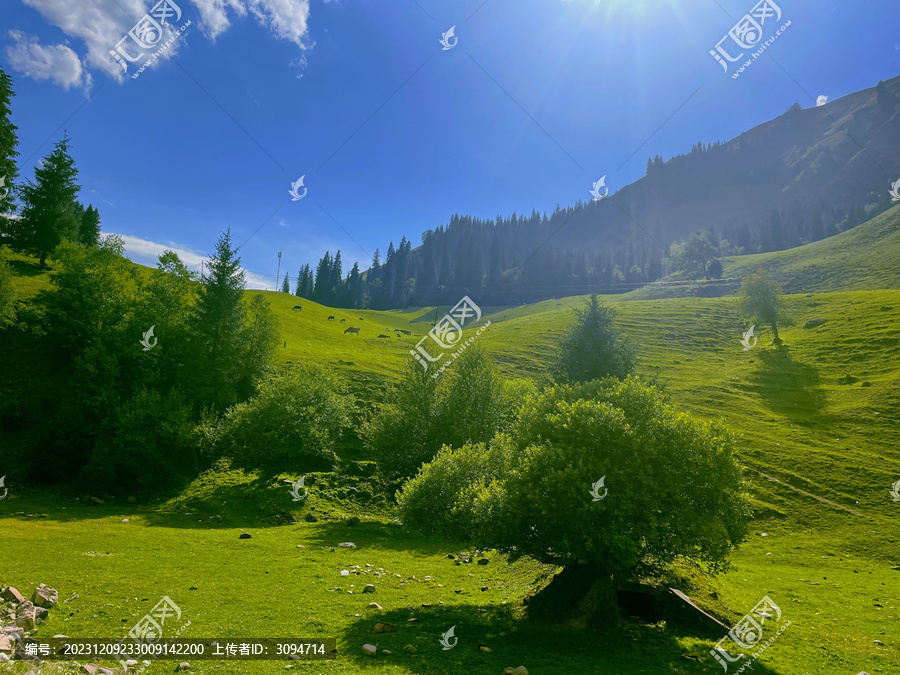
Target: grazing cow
[(331, 318), (343, 320), (297, 308), (352, 329)]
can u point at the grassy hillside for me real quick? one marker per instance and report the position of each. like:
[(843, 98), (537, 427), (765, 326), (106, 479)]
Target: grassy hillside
[(820, 424), (866, 257)]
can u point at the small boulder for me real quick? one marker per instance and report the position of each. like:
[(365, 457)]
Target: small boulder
[(347, 544), (374, 605), (521, 670), (384, 628), (485, 648), (6, 644), (369, 649), (310, 518), (369, 588), (184, 665), (244, 535), (450, 556), (409, 649), (44, 596), (812, 323)]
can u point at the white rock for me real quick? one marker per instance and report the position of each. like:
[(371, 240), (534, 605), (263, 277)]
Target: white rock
[(369, 649)]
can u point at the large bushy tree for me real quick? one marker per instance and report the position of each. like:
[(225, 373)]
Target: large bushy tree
[(592, 348), (671, 486), (50, 210), (761, 301)]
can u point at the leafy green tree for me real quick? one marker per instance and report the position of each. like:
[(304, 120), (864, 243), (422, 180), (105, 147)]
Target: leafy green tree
[(286, 285), (469, 402), (761, 301), (671, 487), (295, 420), (9, 141), (694, 255), (49, 205), (591, 348)]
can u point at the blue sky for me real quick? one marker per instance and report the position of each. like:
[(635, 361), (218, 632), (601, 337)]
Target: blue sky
[(393, 133)]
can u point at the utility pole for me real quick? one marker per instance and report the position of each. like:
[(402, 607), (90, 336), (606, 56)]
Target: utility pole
[(278, 273)]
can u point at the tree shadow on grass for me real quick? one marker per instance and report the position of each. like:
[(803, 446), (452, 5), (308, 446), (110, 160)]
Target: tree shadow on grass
[(626, 647), (789, 387)]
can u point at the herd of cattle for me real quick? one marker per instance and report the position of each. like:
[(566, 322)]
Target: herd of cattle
[(355, 330)]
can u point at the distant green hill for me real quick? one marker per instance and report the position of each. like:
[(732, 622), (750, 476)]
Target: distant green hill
[(863, 258)]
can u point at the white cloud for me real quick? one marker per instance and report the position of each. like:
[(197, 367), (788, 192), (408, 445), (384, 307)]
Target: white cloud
[(822, 100), (101, 24), (146, 252), (57, 63)]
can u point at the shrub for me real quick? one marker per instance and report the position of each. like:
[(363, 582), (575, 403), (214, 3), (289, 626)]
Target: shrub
[(294, 419)]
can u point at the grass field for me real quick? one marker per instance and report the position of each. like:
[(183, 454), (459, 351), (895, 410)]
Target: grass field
[(820, 424)]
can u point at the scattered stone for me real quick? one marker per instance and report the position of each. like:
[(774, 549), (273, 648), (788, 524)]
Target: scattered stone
[(345, 573), (812, 323), (125, 520), (878, 642), (369, 649), (485, 649), (310, 518), (484, 588), (384, 628), (691, 657), (426, 604), (409, 649), (450, 556), (374, 605), (44, 596), (184, 665), (347, 544), (369, 588), (244, 535), (412, 620), (386, 651), (521, 670), (6, 644)]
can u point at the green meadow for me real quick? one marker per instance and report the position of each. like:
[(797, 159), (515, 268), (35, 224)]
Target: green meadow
[(819, 422)]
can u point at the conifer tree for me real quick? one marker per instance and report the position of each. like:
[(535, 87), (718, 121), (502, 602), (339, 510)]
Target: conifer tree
[(286, 285), (9, 140), (49, 206)]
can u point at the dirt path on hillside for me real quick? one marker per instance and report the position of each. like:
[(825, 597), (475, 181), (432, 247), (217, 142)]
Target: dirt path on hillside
[(810, 494)]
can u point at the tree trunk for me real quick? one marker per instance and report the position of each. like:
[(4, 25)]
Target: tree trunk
[(776, 340)]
